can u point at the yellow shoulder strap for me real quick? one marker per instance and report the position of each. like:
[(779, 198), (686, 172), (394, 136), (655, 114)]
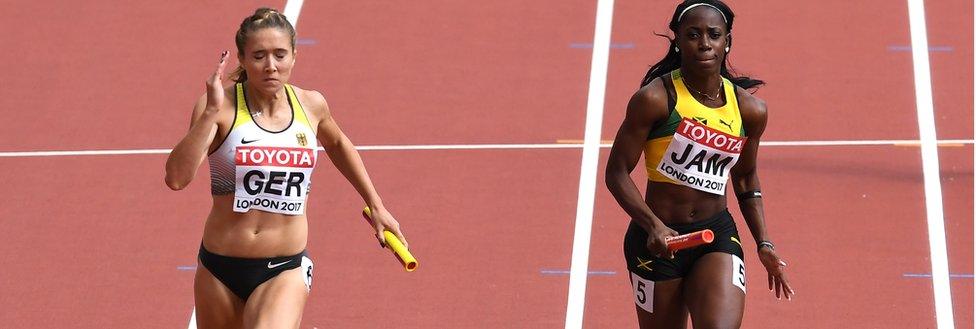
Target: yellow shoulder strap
[(679, 85), (296, 107), (243, 115), (732, 104), (684, 101)]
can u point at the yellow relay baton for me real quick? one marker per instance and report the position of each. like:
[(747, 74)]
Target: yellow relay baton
[(399, 250)]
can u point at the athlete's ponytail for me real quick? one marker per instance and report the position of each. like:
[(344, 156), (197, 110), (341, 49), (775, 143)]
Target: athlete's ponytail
[(262, 18)]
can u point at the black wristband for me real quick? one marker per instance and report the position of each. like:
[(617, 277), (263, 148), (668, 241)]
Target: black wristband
[(765, 243), (748, 195)]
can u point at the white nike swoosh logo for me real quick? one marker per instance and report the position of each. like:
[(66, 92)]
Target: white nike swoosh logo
[(279, 264)]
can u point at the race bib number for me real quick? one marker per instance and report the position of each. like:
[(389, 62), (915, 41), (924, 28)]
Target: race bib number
[(274, 179), (700, 157), (738, 273), (643, 292), (306, 269)]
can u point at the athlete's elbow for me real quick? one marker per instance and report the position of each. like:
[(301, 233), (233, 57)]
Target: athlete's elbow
[(611, 177), (175, 181), (175, 184)]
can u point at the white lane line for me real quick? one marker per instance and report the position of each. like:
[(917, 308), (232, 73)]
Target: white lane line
[(466, 147), (588, 169), (292, 9), (22, 154), (893, 142), (930, 164), (193, 319), (430, 147)]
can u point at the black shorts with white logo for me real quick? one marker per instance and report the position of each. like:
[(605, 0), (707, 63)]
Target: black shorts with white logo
[(640, 261), (243, 275)]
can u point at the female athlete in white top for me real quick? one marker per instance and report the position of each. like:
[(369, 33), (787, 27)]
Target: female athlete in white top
[(262, 218)]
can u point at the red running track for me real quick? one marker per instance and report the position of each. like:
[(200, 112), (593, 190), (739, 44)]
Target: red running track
[(104, 239)]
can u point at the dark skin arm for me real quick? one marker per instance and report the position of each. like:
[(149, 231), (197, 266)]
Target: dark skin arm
[(745, 178), (648, 106)]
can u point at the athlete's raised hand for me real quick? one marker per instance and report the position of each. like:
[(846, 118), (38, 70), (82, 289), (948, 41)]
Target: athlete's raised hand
[(776, 271), (215, 87), (383, 220)]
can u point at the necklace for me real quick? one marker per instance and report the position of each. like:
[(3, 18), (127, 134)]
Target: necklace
[(707, 96)]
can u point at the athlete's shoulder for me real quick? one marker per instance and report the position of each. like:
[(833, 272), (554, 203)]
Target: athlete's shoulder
[(313, 97), (753, 112), (312, 101), (750, 104), (650, 102), (654, 93)]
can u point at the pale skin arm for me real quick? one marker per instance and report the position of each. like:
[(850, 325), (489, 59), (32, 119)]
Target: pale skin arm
[(744, 179), (346, 159), (189, 153)]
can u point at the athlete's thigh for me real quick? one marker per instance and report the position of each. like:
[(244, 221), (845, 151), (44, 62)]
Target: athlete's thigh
[(277, 303), (659, 304), (656, 284), (715, 291), (216, 306)]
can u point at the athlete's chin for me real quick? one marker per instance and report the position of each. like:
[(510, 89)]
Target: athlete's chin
[(269, 84), (710, 66), (708, 63)]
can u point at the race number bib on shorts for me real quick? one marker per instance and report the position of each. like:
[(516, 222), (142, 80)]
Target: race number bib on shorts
[(643, 292), (700, 157), (273, 179), (307, 273), (738, 273)]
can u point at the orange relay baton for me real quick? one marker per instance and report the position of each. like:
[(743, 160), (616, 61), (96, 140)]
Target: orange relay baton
[(393, 243), (690, 240)]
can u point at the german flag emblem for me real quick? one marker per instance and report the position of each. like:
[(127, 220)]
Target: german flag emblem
[(302, 141)]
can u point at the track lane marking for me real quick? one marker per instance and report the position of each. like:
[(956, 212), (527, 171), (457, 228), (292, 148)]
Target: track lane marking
[(930, 165), (590, 162), (292, 9), (432, 147)]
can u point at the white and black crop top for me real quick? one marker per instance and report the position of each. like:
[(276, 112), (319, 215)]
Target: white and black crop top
[(266, 170)]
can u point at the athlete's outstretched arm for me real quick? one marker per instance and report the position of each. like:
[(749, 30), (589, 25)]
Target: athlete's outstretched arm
[(346, 158), (189, 153), (746, 179), (646, 107)]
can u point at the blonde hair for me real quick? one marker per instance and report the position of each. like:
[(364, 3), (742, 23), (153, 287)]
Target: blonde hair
[(261, 19)]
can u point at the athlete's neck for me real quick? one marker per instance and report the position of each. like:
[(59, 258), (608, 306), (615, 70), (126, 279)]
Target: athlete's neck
[(704, 81), (267, 104)]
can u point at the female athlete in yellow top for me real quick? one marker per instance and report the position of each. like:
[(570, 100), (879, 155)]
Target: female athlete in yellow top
[(697, 127), (259, 136)]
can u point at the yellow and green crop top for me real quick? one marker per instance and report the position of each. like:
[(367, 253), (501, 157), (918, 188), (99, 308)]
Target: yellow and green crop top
[(697, 145)]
